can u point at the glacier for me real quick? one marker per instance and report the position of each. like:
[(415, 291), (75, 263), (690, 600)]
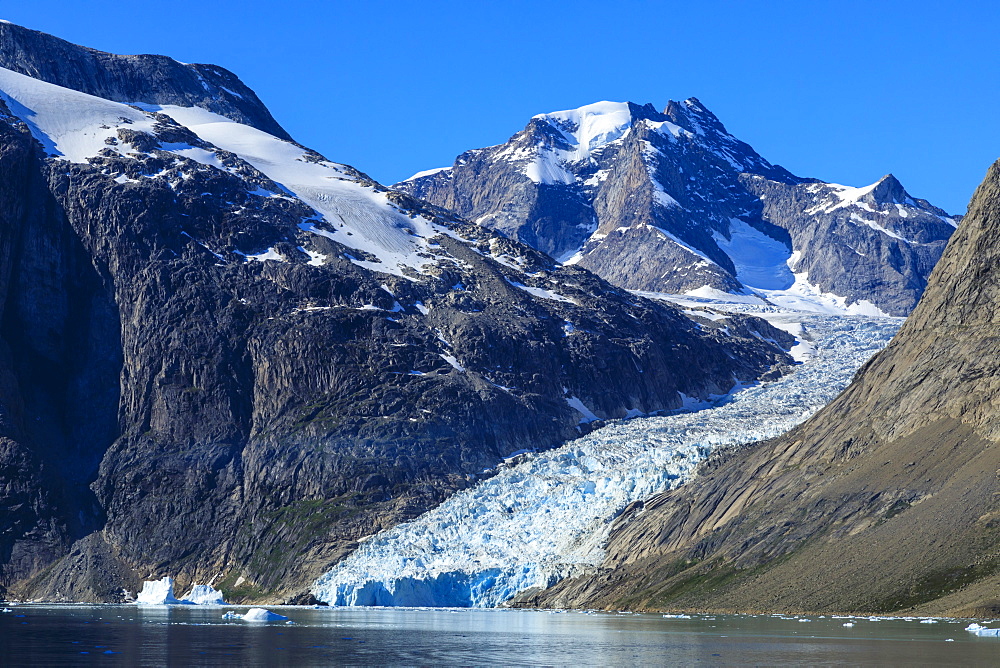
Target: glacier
[(544, 517)]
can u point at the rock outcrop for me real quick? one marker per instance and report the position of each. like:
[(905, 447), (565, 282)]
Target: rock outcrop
[(671, 202), (887, 500), (226, 359)]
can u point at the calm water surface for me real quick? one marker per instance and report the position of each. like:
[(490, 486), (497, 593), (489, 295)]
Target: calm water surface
[(73, 635)]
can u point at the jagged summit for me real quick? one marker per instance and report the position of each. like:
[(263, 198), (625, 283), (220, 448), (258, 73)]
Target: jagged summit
[(888, 190), (672, 202), (693, 116), (146, 78)]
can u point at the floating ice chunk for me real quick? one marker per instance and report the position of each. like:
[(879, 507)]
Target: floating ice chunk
[(262, 615), (232, 614), (677, 616), (982, 631), (848, 625), (928, 621), (204, 595), (158, 592)]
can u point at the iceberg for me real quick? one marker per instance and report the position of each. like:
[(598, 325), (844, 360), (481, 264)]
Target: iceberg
[(547, 516), (982, 631), (158, 592), (262, 615), (204, 595), (161, 592)]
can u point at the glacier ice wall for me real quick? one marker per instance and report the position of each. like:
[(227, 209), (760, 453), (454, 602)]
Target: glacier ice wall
[(547, 516)]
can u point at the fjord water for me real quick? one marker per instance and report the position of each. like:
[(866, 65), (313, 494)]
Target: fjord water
[(71, 635)]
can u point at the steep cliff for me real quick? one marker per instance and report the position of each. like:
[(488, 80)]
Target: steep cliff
[(224, 358), (887, 500)]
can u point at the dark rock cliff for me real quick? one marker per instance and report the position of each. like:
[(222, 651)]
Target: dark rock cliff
[(170, 407), (887, 500)]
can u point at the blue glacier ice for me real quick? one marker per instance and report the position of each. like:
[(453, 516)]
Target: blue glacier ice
[(547, 516)]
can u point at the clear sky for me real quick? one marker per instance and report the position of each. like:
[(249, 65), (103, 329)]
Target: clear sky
[(841, 91)]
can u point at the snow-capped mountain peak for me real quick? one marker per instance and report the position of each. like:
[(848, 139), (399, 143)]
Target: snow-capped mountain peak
[(643, 198), (593, 126)]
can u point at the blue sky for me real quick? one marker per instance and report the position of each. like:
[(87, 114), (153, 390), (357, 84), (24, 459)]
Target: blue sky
[(844, 91)]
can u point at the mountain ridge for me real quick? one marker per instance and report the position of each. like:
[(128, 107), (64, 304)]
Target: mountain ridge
[(643, 198)]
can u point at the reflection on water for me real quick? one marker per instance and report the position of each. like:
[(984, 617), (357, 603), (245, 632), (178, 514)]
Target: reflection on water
[(189, 635)]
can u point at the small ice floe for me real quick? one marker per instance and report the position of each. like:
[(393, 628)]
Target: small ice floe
[(262, 615), (928, 621), (677, 616), (848, 625), (232, 614), (982, 630), (803, 619)]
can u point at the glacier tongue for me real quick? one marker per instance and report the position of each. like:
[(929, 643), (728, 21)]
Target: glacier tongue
[(546, 517)]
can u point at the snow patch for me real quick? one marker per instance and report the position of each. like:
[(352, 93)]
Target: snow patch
[(761, 262), (581, 408), (428, 172), (67, 123), (450, 359), (542, 292)]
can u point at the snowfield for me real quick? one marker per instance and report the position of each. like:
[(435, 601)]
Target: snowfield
[(547, 517)]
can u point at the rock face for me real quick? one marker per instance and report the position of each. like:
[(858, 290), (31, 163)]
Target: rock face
[(887, 500), (671, 202), (225, 359)]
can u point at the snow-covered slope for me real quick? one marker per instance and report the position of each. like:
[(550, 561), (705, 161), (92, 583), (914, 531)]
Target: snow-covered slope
[(77, 127), (360, 214), (544, 517), (672, 202)]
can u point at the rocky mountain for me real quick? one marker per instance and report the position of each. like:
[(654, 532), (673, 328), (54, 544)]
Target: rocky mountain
[(671, 202), (887, 500), (227, 359)]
